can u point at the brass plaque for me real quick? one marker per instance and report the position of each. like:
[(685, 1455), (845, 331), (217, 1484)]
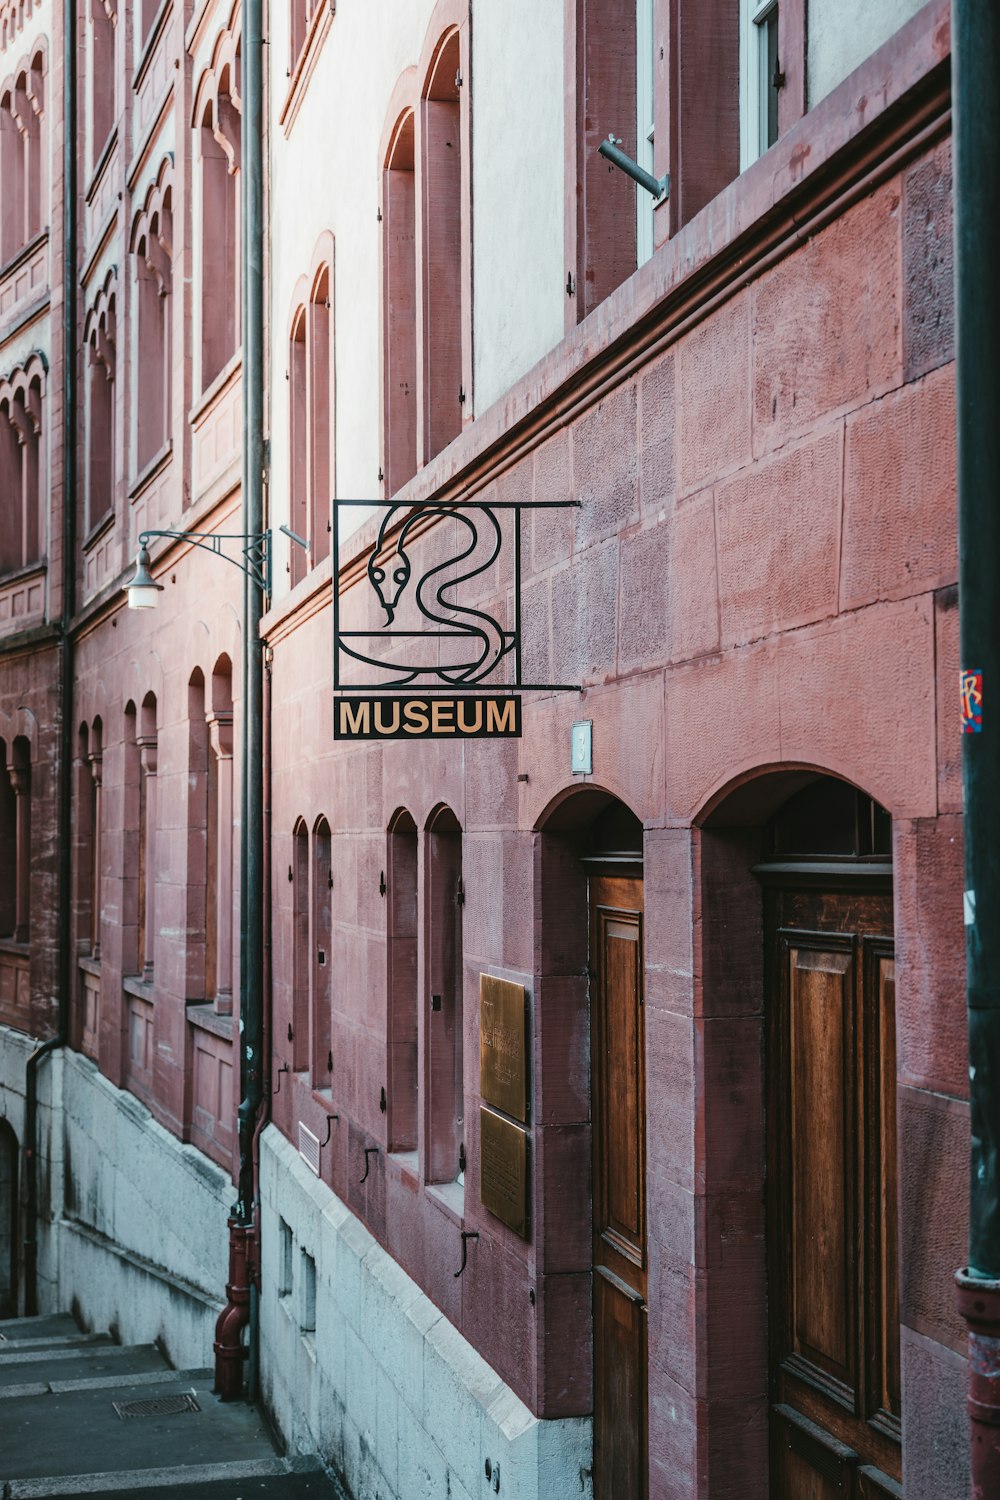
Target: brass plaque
[(503, 1170), (503, 1035)]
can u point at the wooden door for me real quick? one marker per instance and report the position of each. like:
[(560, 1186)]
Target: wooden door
[(832, 1193), (618, 1060)]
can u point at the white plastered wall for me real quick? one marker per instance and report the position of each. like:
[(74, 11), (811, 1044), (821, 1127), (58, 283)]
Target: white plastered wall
[(384, 1388), (518, 177), (325, 175), (132, 1233), (840, 37)]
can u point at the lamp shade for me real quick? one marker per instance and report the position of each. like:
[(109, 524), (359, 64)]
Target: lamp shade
[(142, 588)]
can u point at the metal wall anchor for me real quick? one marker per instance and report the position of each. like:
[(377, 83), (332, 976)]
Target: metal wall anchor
[(282, 1069), (329, 1127), (369, 1151), (467, 1235)]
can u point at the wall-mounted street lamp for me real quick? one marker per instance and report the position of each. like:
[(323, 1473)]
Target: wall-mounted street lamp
[(250, 552), (255, 551), (611, 150)]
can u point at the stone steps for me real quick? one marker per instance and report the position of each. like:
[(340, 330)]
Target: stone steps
[(82, 1415)]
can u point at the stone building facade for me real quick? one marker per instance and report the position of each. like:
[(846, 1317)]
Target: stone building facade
[(738, 930)]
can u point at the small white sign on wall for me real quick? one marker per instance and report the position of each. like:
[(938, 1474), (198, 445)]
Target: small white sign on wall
[(582, 748)]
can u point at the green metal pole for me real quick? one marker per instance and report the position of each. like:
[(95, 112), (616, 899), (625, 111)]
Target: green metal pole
[(976, 115), (252, 851), (241, 1310)]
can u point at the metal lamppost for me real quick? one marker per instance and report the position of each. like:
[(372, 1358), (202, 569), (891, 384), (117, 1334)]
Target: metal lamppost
[(250, 552)]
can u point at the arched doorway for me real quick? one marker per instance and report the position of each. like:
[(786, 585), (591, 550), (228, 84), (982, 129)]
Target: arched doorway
[(831, 1177), (592, 937), (612, 860), (8, 1221)]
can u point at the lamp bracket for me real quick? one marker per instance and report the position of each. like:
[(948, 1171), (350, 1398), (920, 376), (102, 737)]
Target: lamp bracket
[(255, 550)]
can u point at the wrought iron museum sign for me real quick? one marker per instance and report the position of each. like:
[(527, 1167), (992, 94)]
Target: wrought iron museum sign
[(432, 650)]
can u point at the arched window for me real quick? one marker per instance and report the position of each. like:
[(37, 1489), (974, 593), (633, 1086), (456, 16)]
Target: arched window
[(88, 768), (12, 176), (197, 840), (101, 447), (95, 761), (311, 419), (220, 139), (322, 938), (401, 936), (444, 1070), (152, 244), (21, 527), (300, 947), (399, 294), (443, 230), (321, 415), (132, 843), (8, 843), (219, 882), (146, 923), (22, 158), (103, 25), (298, 442)]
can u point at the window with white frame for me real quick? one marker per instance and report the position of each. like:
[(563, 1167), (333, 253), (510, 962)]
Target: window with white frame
[(760, 78)]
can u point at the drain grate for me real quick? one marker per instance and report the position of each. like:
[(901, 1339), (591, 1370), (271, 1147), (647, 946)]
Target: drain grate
[(156, 1406)]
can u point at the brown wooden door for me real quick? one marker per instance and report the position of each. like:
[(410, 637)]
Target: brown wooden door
[(618, 1053), (832, 1194)]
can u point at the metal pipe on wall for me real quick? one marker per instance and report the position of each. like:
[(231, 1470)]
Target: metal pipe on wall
[(64, 769), (976, 144), (241, 1308)]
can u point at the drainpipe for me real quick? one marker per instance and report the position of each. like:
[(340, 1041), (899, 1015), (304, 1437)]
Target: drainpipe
[(241, 1307), (975, 32), (65, 765)]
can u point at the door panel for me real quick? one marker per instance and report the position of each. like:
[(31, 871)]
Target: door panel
[(886, 1404), (809, 1464), (622, 1099), (822, 1219), (619, 1388), (618, 1061), (833, 1305)]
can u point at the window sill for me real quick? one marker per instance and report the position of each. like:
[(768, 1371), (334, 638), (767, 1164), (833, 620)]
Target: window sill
[(98, 530), (156, 463), (407, 1163), (18, 575), (15, 950), (25, 253), (451, 1197), (100, 164), (89, 965), (305, 64), (230, 370), (205, 1017), (140, 989)]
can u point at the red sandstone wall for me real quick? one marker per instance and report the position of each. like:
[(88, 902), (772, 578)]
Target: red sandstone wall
[(762, 574)]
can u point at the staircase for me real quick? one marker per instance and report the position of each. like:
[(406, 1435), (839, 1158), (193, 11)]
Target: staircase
[(80, 1414)]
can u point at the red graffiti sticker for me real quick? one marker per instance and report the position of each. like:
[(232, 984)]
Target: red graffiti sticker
[(972, 701)]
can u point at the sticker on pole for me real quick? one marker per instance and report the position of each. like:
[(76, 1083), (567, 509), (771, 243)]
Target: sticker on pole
[(972, 701)]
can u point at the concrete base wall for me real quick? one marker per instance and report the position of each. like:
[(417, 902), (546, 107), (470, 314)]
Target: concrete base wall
[(381, 1385), (15, 1049), (133, 1233)]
